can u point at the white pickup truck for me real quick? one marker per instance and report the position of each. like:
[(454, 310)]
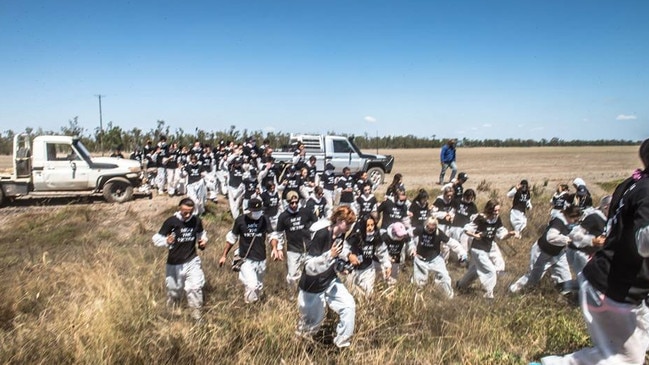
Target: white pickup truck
[(58, 166), (340, 152)]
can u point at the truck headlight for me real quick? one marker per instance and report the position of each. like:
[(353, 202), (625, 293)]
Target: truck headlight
[(132, 175), (135, 169)]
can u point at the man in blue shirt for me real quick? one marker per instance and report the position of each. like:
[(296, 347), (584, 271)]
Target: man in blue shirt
[(447, 159)]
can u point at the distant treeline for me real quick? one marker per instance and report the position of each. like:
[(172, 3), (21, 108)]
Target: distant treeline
[(115, 137)]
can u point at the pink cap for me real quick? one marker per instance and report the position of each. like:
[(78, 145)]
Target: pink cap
[(399, 230)]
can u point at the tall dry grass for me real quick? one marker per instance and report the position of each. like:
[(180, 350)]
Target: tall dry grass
[(78, 290)]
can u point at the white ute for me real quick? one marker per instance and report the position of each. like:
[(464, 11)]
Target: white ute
[(56, 166)]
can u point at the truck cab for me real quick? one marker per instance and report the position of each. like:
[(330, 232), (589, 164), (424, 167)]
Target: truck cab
[(59, 164)]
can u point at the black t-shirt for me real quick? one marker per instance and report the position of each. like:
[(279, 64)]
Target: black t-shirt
[(248, 229), (320, 243), (328, 181), (365, 206), (236, 176), (442, 205), (520, 200), (419, 213), (250, 188), (463, 213), (293, 183), (429, 243), (271, 203), (296, 227), (391, 213), (193, 172), (489, 229), (317, 206), (394, 246), (183, 249), (346, 182), (618, 270), (364, 247)]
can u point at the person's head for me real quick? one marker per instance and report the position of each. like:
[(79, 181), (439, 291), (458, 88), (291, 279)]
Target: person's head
[(422, 197), (605, 204), (312, 160), (572, 213), (524, 185), (577, 182), (186, 208), (342, 219), (367, 189), (644, 153), (396, 179), (462, 177), (431, 224), (362, 175), (304, 172), (193, 159), (468, 195), (293, 200), (492, 208), (562, 188), (398, 231), (366, 226), (451, 142), (347, 171), (447, 193), (270, 186), (318, 191), (400, 197), (329, 168), (255, 209)]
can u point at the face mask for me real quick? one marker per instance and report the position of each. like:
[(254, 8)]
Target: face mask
[(256, 215), (329, 172), (400, 202)]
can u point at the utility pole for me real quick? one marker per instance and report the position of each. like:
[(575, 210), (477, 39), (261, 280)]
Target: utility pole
[(101, 126)]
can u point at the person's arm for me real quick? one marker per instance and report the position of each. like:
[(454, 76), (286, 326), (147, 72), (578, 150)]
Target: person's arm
[(554, 237), (230, 240), (511, 193), (642, 240), (502, 233)]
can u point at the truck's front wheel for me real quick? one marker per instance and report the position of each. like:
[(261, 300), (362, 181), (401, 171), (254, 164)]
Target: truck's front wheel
[(375, 175), (118, 191)]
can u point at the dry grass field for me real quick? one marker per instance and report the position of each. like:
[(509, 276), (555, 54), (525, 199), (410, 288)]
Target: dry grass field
[(84, 284)]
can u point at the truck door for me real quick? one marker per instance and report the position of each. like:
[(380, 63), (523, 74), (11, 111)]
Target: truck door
[(62, 169), (343, 155)]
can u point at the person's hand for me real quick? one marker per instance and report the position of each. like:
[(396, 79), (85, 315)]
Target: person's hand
[(599, 240), (277, 255), (413, 253), (336, 248), (387, 272), (353, 259), (201, 244), (222, 260), (171, 238)]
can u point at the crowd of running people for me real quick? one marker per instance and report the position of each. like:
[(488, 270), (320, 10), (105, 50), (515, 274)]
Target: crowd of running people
[(322, 225)]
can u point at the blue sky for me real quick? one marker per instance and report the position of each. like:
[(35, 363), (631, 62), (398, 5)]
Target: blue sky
[(476, 69)]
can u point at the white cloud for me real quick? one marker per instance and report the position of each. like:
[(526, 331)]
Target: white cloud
[(370, 119), (626, 117)]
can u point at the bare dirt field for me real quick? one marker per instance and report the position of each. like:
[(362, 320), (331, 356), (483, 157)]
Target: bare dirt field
[(504, 167)]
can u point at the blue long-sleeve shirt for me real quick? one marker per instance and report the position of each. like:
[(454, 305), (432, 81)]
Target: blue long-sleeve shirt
[(448, 154)]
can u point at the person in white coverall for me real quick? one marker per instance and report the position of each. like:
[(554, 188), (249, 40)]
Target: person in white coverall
[(181, 234)]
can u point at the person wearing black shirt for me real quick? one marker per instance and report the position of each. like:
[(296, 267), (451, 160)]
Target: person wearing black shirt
[(520, 204), (320, 286), (366, 203), (345, 187), (251, 230), (425, 248), (318, 204), (614, 285), (328, 179), (367, 252), (293, 228), (272, 204), (180, 235), (549, 253), (194, 171), (484, 229), (588, 236)]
